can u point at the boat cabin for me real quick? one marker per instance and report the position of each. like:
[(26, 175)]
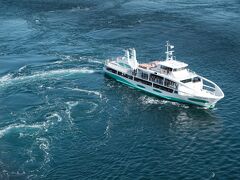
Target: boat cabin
[(167, 67)]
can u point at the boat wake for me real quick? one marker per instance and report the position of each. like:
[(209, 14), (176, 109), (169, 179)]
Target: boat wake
[(69, 58), (36, 150), (21, 128), (11, 79)]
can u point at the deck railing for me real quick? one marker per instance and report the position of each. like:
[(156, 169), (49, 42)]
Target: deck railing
[(212, 89)]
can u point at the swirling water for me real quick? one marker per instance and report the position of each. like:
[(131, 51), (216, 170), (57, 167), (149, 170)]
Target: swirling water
[(61, 118)]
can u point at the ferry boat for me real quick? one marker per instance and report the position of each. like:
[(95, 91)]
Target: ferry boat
[(169, 79)]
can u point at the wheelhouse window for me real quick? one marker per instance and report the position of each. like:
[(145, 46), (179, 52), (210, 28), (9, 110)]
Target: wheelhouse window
[(168, 69), (179, 69), (196, 79), (186, 80)]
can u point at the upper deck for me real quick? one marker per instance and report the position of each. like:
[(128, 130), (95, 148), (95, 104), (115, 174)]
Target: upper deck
[(173, 64), (172, 68)]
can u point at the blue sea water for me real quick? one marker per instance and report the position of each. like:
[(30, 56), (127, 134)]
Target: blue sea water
[(61, 118)]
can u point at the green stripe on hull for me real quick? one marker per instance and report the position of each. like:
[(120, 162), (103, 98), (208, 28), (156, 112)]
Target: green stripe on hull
[(198, 100), (157, 90), (141, 86), (122, 80)]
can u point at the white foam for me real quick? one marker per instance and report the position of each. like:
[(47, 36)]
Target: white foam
[(78, 8), (11, 127), (57, 62), (5, 78), (94, 107), (71, 104), (80, 59), (107, 130), (44, 146), (95, 61), (86, 91), (22, 128), (149, 100), (22, 68), (53, 115)]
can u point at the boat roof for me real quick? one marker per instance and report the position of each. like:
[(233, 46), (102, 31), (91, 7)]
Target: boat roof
[(173, 64)]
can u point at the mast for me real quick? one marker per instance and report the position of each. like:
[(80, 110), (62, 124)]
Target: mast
[(169, 52), (131, 58)]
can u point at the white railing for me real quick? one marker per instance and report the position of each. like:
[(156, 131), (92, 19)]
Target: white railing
[(214, 89)]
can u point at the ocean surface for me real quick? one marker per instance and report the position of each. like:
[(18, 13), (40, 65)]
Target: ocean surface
[(61, 118)]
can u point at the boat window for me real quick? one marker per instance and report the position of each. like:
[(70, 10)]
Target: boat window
[(166, 68), (134, 73), (125, 75), (186, 80), (179, 69), (142, 81), (144, 75), (156, 79), (170, 83), (196, 79), (120, 73), (128, 76), (111, 70)]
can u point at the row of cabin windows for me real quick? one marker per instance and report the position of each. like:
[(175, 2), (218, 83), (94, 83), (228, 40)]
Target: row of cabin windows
[(125, 75), (143, 81), (111, 70), (162, 88), (168, 69), (156, 79), (153, 78), (159, 80), (119, 73), (179, 69), (195, 79)]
